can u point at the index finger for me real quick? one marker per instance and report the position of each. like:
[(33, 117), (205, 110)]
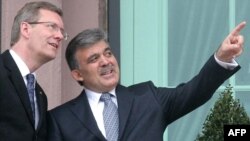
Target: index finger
[(238, 28)]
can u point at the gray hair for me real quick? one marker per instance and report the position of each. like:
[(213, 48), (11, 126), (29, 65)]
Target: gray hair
[(30, 13), (84, 39)]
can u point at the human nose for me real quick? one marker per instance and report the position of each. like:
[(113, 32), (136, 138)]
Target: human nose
[(104, 61), (63, 33), (60, 35)]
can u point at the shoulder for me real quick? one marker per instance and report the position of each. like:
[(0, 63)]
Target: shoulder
[(142, 85), (65, 106), (139, 88)]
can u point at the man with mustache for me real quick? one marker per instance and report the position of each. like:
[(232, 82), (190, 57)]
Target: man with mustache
[(140, 112)]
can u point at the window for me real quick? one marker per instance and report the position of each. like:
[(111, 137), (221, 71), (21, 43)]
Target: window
[(176, 38)]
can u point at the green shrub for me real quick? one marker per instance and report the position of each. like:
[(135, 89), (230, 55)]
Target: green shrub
[(226, 110)]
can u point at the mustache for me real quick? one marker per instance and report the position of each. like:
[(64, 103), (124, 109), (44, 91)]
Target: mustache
[(106, 68)]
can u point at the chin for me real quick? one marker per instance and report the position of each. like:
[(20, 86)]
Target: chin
[(111, 87), (51, 56)]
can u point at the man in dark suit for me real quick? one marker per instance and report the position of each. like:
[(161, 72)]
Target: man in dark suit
[(37, 35), (144, 110)]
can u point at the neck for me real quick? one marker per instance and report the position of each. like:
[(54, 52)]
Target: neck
[(28, 57)]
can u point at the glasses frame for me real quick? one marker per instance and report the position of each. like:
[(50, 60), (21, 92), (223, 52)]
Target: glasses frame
[(54, 27)]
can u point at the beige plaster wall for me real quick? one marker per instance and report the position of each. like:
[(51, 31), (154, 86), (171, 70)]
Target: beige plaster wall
[(78, 15), (55, 76)]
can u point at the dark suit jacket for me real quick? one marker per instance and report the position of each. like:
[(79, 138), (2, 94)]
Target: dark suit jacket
[(144, 109), (16, 122)]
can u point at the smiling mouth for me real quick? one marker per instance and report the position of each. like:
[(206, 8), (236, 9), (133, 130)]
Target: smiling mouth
[(107, 70), (54, 45)]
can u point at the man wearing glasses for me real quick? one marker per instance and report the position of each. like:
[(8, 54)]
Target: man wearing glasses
[(36, 36)]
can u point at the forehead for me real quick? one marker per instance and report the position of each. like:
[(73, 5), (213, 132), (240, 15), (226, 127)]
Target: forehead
[(50, 16), (97, 48)]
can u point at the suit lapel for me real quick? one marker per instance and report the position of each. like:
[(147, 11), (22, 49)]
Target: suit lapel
[(18, 83), (81, 109), (125, 103)]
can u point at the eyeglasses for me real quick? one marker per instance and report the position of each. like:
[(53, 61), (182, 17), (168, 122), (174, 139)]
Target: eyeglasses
[(53, 27)]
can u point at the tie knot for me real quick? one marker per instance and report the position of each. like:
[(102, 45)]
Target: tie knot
[(105, 97), (30, 78)]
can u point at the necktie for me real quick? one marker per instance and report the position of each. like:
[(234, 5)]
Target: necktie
[(31, 91), (110, 118)]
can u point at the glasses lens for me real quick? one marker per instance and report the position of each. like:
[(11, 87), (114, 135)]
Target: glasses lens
[(54, 27)]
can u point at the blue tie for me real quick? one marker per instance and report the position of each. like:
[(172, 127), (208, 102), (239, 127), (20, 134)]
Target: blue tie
[(31, 91), (110, 118)]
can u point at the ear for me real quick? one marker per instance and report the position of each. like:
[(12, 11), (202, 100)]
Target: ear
[(24, 29), (76, 74)]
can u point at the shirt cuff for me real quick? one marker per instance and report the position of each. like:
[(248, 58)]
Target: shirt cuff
[(226, 65)]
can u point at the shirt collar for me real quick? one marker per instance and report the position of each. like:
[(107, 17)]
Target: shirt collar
[(23, 68), (95, 97)]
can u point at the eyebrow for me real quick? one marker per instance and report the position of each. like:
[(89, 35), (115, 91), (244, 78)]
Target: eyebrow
[(97, 54), (107, 49), (89, 59)]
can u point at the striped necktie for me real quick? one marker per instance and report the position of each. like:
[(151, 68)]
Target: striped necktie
[(31, 91), (110, 117)]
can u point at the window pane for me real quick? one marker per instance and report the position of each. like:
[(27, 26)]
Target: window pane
[(196, 28), (242, 14), (244, 98)]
